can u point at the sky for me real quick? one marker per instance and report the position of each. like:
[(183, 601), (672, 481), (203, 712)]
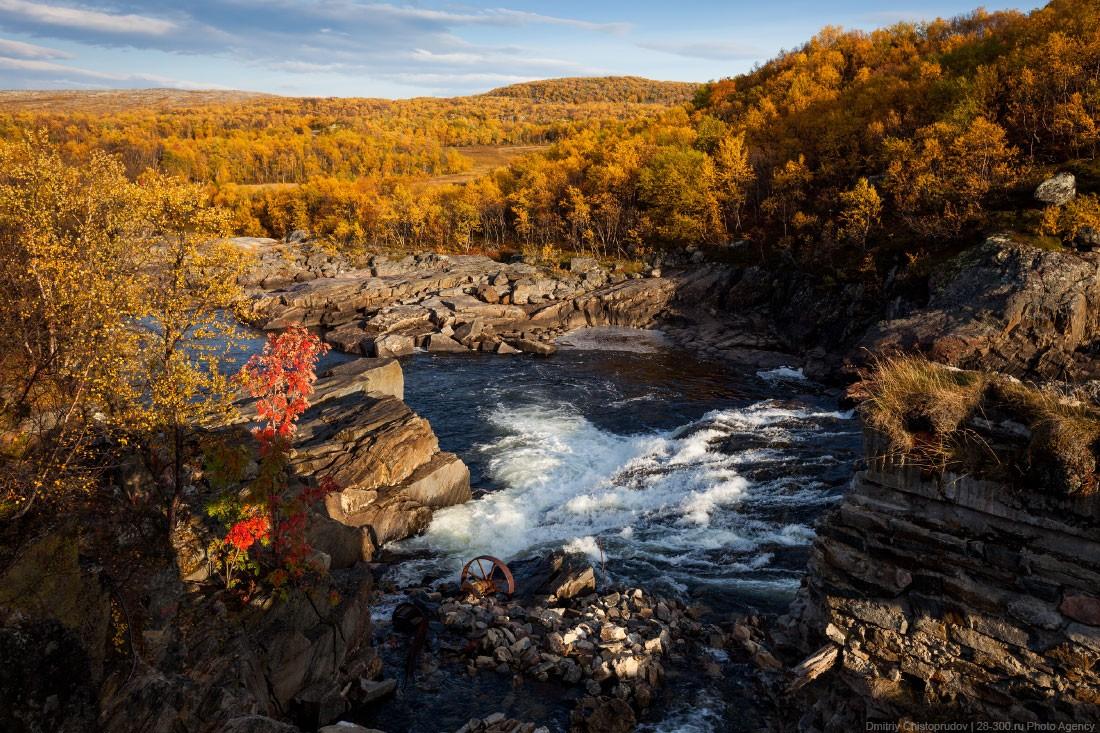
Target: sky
[(399, 49)]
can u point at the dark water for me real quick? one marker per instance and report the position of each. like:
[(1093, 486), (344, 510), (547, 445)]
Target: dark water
[(680, 475)]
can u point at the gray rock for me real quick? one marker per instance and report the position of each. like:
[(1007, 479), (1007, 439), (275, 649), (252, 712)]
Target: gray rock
[(393, 344), (345, 727), (583, 264), (562, 575), (1057, 190), (530, 346), (257, 724), (372, 691), (1087, 239), (1004, 306), (439, 343)]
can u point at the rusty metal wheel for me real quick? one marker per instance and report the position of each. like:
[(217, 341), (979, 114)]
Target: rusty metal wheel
[(486, 575)]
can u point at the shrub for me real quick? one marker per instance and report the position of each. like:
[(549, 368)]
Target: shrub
[(1070, 220), (273, 513)]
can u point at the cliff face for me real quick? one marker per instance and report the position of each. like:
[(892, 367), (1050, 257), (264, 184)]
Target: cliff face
[(1006, 307), (948, 596), (202, 660)]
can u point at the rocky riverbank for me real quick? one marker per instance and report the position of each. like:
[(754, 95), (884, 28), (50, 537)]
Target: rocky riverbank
[(201, 659), (454, 303), (598, 656), (946, 597), (457, 303), (1004, 305)]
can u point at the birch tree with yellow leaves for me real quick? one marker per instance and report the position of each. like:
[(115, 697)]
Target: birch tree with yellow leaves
[(187, 329), (112, 320)]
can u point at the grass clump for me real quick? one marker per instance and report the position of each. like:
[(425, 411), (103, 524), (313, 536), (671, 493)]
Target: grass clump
[(919, 405), (944, 418)]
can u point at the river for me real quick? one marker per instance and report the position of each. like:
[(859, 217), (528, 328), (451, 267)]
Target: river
[(672, 473)]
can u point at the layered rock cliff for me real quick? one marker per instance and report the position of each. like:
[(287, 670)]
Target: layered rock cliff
[(383, 458), (941, 596), (150, 641), (1008, 307)]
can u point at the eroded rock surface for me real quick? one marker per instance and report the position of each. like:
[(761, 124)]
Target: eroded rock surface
[(1007, 307), (383, 457), (205, 668), (455, 303), (952, 594)]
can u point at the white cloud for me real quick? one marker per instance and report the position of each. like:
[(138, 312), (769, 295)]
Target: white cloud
[(417, 44), (91, 20), (497, 58), (49, 68), (30, 51), (713, 50), (524, 17)]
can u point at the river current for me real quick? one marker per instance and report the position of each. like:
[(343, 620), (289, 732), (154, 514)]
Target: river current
[(676, 474), (680, 475), (672, 473)]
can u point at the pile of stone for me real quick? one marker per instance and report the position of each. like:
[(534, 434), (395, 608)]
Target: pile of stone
[(499, 723), (614, 645)]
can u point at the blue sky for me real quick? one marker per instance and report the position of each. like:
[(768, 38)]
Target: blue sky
[(407, 49)]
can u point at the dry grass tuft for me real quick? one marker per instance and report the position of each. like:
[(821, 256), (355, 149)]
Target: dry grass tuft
[(918, 404), (935, 415)]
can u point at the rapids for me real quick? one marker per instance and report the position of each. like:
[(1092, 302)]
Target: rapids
[(682, 476)]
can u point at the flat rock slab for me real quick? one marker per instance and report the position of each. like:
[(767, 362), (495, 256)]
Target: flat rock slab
[(430, 301), (383, 457)]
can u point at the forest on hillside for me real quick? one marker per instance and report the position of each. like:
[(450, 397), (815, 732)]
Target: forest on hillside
[(903, 140), (584, 89)]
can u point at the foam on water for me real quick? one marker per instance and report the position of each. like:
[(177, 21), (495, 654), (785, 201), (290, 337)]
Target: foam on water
[(781, 374), (690, 506)]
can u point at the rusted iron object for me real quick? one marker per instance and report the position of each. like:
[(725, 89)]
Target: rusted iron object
[(408, 617), (411, 618), (486, 575)]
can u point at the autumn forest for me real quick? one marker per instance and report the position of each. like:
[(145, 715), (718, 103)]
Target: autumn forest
[(903, 139)]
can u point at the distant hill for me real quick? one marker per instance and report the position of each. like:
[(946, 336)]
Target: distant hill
[(111, 100), (582, 89)]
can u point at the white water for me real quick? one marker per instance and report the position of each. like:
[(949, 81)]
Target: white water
[(584, 452), (662, 503), (782, 374)]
